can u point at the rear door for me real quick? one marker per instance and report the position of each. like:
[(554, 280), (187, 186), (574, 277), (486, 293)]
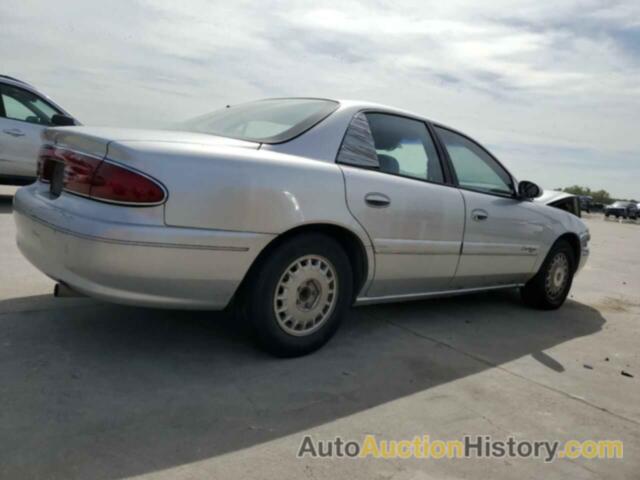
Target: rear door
[(503, 234), (395, 188), (23, 117)]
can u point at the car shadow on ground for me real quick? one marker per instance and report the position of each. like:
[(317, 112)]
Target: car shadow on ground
[(100, 391), (6, 204)]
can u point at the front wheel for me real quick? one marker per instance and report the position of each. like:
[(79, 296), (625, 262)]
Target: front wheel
[(550, 287), (296, 297)]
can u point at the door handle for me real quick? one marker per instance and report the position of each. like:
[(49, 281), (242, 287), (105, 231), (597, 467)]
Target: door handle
[(378, 200), (14, 132), (479, 215)]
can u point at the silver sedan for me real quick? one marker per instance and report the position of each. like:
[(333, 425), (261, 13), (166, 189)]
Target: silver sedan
[(24, 114), (292, 210)]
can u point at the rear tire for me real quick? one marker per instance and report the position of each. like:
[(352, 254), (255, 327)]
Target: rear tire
[(296, 297), (549, 288)]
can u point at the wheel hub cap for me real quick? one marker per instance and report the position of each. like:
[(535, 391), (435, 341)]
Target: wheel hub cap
[(305, 295), (557, 275), (308, 295)]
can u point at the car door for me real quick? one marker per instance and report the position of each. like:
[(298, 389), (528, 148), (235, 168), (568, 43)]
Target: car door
[(503, 234), (396, 189), (23, 117)]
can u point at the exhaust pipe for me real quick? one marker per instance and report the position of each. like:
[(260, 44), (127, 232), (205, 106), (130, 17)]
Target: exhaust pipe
[(62, 291)]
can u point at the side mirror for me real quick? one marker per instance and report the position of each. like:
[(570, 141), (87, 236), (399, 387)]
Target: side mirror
[(528, 190), (60, 120)]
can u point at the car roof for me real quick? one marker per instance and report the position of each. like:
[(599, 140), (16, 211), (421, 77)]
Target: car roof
[(366, 105), (351, 104), (16, 81)]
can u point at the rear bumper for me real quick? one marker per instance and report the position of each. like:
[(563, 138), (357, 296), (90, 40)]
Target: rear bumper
[(144, 265)]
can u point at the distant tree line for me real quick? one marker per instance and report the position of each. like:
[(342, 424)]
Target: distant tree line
[(599, 196)]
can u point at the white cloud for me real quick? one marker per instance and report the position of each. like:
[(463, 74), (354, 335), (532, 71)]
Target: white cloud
[(547, 76)]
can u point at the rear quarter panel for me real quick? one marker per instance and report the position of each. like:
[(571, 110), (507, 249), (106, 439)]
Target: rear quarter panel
[(239, 189)]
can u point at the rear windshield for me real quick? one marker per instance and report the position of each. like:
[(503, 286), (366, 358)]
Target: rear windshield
[(265, 121)]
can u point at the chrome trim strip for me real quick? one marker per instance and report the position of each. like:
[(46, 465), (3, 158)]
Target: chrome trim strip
[(499, 249), (134, 243), (420, 296), (393, 246)]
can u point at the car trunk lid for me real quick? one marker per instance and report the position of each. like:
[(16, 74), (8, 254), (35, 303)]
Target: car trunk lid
[(95, 140)]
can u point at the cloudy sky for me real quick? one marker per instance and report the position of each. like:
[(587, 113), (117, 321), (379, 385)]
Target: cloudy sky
[(552, 87)]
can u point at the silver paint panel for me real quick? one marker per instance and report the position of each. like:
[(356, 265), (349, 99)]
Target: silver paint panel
[(149, 265), (417, 238), (502, 248)]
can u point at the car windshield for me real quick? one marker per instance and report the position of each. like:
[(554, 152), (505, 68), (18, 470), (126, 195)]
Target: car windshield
[(265, 121)]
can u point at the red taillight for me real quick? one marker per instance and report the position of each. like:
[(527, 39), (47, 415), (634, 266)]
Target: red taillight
[(116, 184), (98, 179), (45, 162), (79, 171)]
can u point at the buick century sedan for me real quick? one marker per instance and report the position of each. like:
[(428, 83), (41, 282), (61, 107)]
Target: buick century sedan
[(291, 210)]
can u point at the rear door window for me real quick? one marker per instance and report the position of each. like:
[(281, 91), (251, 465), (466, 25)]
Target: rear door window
[(393, 144), (404, 147)]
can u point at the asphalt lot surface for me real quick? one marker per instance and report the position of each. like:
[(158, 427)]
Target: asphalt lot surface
[(99, 391)]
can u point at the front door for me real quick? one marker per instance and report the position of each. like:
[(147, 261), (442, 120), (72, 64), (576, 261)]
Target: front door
[(503, 234)]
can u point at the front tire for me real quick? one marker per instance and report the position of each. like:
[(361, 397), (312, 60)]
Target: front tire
[(549, 288), (296, 297)]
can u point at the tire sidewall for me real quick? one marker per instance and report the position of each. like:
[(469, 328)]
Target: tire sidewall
[(560, 247), (259, 309)]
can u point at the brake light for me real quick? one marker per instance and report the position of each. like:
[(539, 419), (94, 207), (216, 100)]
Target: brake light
[(113, 183), (45, 165), (79, 171), (98, 179)]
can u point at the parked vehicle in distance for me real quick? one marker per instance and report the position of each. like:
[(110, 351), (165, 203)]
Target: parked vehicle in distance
[(24, 114), (562, 200), (621, 209), (292, 210), (596, 207), (586, 203)]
